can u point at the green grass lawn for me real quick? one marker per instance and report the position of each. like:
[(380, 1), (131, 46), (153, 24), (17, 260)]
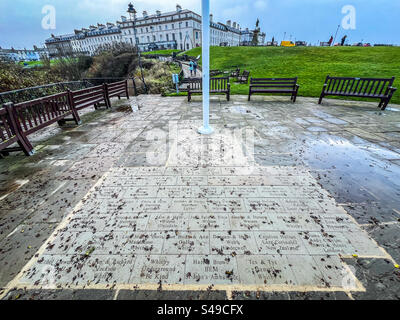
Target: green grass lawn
[(31, 64), (310, 64), (166, 52)]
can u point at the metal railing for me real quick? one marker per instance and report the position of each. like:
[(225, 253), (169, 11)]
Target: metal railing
[(99, 81), (32, 93)]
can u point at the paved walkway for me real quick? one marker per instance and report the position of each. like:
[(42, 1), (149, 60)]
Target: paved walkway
[(274, 203), (186, 71)]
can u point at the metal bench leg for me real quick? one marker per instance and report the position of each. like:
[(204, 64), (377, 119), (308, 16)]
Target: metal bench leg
[(295, 94), (320, 99), (381, 103), (249, 96), (385, 104)]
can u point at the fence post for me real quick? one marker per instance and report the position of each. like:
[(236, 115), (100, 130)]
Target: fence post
[(106, 95), (71, 103), (23, 141)]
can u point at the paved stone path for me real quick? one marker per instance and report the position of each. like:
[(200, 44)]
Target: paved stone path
[(272, 202), (186, 72)]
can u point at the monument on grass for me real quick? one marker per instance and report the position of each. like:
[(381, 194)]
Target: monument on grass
[(257, 30)]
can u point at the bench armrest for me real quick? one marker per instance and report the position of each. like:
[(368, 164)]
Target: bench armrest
[(393, 89)]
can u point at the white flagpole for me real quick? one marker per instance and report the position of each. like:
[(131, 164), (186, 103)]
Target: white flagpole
[(206, 129)]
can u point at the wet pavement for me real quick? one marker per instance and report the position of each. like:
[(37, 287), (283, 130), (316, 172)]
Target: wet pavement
[(283, 201)]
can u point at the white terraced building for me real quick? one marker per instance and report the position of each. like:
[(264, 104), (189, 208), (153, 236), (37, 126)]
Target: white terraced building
[(90, 40), (179, 29)]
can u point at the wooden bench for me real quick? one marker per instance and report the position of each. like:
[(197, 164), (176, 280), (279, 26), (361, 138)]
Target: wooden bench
[(93, 96), (10, 135), (377, 88), (236, 73), (31, 116), (274, 85), (117, 89), (217, 85), (244, 78)]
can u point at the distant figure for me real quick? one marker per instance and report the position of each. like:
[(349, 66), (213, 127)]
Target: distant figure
[(195, 68), (191, 67)]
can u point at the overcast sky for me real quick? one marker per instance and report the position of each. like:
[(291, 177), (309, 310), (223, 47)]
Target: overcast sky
[(377, 21)]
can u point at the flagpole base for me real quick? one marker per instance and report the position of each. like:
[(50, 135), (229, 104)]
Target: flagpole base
[(206, 130)]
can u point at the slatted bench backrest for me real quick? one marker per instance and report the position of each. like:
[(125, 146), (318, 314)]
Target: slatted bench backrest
[(195, 84), (37, 114), (88, 97), (273, 82), (216, 84), (368, 87), (117, 88), (246, 74), (219, 84)]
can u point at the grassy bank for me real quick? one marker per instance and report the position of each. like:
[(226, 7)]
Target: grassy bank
[(310, 64)]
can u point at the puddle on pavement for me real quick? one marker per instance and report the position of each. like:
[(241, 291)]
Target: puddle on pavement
[(392, 109), (363, 164)]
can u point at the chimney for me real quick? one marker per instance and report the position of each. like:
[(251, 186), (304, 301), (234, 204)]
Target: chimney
[(228, 23), (234, 25), (145, 14), (211, 17), (238, 27), (178, 8), (158, 12)]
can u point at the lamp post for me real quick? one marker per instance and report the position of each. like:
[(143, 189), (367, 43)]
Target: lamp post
[(206, 129), (132, 13)]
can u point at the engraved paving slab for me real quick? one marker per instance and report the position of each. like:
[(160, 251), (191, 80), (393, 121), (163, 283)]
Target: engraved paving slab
[(275, 227)]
